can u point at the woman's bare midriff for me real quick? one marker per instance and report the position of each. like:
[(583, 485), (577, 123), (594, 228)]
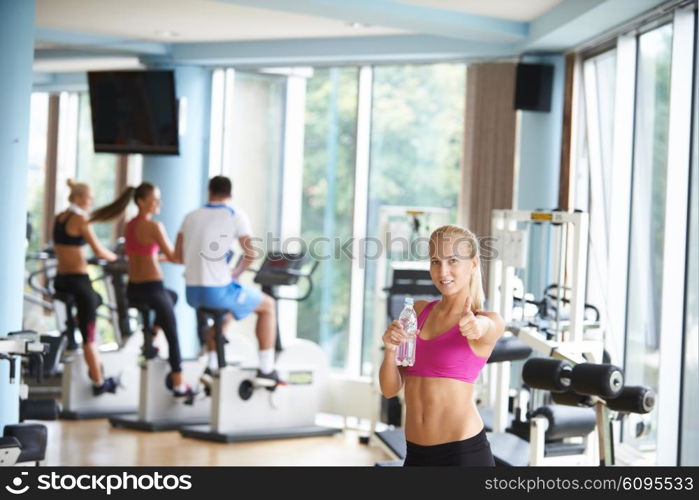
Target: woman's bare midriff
[(439, 410), (144, 268), (71, 259)]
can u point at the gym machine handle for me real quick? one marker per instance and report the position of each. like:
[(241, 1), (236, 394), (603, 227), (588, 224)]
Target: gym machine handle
[(12, 366), (299, 274), (542, 304), (33, 333), (565, 300), (308, 291), (302, 297), (31, 280), (39, 358)]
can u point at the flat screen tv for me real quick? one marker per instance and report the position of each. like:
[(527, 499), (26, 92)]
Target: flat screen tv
[(134, 112)]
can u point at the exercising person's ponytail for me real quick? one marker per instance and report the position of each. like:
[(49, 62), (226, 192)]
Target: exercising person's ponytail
[(115, 209)]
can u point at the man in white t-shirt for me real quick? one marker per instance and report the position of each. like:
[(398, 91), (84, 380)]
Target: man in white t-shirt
[(204, 246)]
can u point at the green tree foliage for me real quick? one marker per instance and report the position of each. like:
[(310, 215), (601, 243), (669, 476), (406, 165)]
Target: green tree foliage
[(329, 150), (417, 127)]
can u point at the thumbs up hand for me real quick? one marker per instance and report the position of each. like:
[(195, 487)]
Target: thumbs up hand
[(468, 325)]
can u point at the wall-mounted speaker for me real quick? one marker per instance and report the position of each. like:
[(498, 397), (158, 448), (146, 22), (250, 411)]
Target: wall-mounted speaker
[(533, 87)]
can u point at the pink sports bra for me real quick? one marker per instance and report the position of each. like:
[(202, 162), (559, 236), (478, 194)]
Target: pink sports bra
[(135, 247), (447, 355)]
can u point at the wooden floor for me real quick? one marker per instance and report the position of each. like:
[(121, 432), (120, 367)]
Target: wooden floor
[(95, 442)]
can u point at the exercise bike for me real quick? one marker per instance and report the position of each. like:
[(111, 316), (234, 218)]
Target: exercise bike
[(242, 408), (65, 360)]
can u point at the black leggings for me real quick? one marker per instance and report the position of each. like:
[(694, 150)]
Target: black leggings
[(86, 300), (474, 451), (162, 300)]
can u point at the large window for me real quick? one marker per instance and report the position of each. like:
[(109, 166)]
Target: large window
[(99, 170), (75, 158), (633, 176), (648, 213), (328, 204), (414, 151), (594, 181), (416, 142), (246, 145), (413, 134)]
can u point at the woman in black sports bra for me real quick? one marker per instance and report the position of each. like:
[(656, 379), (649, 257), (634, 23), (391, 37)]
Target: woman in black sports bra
[(71, 231)]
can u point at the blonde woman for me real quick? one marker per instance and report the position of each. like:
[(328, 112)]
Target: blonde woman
[(454, 340), (71, 231)]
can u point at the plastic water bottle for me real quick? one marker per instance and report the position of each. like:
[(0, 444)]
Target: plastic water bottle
[(405, 354)]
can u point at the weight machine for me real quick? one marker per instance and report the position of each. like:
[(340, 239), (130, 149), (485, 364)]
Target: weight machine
[(573, 370)]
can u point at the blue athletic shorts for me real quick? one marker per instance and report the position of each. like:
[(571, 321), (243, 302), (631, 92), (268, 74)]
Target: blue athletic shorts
[(239, 299)]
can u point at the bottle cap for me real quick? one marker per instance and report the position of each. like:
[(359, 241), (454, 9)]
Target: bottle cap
[(408, 301)]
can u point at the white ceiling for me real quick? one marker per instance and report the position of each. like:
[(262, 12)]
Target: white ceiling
[(515, 10), (191, 20), (256, 33), (218, 20)]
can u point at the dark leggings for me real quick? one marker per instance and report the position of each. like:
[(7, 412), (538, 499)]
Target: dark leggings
[(86, 300), (162, 300), (474, 451)]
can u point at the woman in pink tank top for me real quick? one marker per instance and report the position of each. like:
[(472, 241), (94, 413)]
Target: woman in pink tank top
[(455, 339), (145, 237)]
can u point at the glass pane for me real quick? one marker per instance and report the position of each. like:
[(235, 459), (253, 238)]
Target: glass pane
[(216, 122), (67, 146), (253, 142), (99, 170), (605, 78), (689, 444), (648, 218), (594, 195), (134, 176), (327, 206), (38, 125), (416, 142), (34, 316)]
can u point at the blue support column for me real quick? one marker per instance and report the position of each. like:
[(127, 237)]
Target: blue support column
[(181, 180), (16, 55), (539, 170)]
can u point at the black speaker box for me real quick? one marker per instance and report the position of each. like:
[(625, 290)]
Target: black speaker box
[(533, 87)]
